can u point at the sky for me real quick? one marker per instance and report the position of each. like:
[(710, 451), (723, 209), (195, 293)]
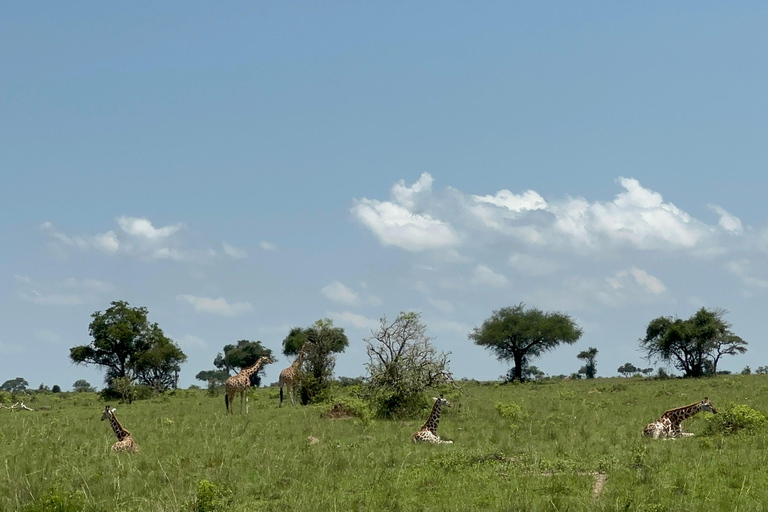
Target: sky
[(243, 168)]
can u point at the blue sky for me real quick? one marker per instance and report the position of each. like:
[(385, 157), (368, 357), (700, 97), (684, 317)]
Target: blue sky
[(245, 168)]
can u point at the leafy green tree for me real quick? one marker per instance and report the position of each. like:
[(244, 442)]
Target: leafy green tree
[(83, 386), (518, 334), (236, 357), (589, 356), (56, 388), (17, 385), (125, 344), (325, 340), (628, 369), (694, 345), (402, 364)]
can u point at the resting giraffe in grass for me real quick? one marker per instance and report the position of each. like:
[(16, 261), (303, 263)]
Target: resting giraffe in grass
[(124, 440), (289, 378), (428, 432), (670, 423), (241, 383)]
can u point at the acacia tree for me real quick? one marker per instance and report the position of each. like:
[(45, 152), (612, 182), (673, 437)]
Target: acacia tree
[(694, 345), (83, 386), (233, 359), (402, 364), (325, 340), (17, 385), (518, 334), (128, 346), (589, 357)]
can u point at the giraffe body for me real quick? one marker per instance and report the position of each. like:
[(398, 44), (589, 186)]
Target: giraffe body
[(289, 377), (428, 432), (670, 423), (125, 442), (241, 383)]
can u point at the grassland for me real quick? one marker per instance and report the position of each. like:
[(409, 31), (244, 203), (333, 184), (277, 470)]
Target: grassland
[(547, 450)]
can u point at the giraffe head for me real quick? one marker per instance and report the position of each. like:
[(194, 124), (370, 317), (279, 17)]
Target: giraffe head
[(265, 360), (443, 401), (107, 414), (705, 405)]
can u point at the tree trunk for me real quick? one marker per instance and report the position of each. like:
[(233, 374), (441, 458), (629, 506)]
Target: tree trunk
[(519, 358)]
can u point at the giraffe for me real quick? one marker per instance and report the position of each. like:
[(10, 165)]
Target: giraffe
[(428, 433), (241, 383), (669, 425), (289, 376), (124, 440)]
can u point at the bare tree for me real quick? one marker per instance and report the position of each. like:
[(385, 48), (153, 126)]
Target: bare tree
[(403, 363)]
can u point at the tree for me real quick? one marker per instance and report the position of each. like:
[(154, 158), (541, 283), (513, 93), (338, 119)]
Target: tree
[(402, 364), (236, 357), (316, 373), (127, 345), (56, 388), (590, 367), (518, 334), (83, 386), (17, 385), (693, 346), (628, 369)]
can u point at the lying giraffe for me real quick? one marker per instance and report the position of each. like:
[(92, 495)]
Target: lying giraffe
[(428, 433), (289, 378), (124, 440), (242, 383), (670, 423)]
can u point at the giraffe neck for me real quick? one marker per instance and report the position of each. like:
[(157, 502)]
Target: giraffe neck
[(120, 432), (251, 369), (682, 413), (434, 417)]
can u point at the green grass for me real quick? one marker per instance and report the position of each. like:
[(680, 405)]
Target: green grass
[(541, 453)]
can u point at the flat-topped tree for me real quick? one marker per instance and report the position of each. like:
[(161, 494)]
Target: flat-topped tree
[(518, 334)]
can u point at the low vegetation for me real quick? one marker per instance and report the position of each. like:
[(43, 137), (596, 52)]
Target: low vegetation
[(550, 445)]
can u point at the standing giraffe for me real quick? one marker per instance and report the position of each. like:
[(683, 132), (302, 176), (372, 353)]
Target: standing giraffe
[(669, 425), (428, 433), (124, 440), (241, 383), (289, 376)]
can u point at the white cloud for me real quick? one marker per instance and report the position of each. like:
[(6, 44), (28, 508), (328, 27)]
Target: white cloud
[(529, 200), (407, 196), (267, 246), (217, 306), (743, 269), (396, 225), (341, 294), (635, 277), (349, 318), (728, 222), (69, 292), (106, 242), (483, 275), (91, 285), (168, 253), (234, 252), (142, 227)]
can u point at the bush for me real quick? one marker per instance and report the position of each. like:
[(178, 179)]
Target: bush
[(735, 418), (63, 502), (211, 497), (349, 407)]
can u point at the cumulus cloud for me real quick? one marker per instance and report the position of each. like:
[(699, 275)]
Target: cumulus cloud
[(484, 276), (745, 271), (218, 306), (353, 319), (395, 225), (142, 227), (341, 294), (636, 277), (728, 222), (234, 252), (406, 196), (267, 246)]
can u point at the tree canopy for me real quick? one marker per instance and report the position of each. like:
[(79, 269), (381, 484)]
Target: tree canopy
[(325, 340), (589, 356), (17, 385), (694, 345), (233, 359), (127, 345), (518, 334)]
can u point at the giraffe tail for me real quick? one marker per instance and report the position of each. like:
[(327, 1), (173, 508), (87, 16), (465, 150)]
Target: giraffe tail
[(226, 401), (281, 395)]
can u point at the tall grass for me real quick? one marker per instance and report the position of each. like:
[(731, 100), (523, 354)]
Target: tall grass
[(516, 447)]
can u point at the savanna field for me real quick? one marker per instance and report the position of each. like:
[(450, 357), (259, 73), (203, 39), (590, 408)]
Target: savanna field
[(555, 445)]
